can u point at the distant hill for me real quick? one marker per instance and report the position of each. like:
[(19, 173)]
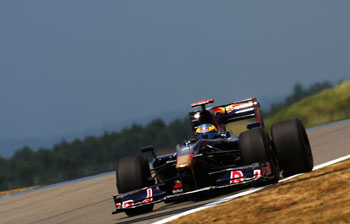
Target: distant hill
[(328, 106)]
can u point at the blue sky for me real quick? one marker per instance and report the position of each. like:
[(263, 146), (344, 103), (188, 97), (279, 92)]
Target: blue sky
[(69, 66)]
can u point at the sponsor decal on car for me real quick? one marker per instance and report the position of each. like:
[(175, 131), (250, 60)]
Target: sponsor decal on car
[(128, 203), (257, 174), (149, 196), (236, 177), (177, 187)]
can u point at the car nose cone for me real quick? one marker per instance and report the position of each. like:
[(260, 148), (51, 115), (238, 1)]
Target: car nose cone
[(184, 161)]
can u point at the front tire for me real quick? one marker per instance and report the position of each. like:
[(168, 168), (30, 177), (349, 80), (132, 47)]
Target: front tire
[(255, 146), (292, 147), (134, 173)]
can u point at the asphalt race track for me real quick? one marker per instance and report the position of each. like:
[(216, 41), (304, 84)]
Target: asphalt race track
[(90, 201)]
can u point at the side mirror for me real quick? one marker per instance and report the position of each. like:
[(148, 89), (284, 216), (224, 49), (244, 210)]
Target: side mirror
[(149, 149), (253, 125)]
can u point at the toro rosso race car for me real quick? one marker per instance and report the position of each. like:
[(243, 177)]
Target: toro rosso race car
[(218, 157)]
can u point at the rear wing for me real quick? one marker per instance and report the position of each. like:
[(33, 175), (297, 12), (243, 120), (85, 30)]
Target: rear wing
[(232, 112)]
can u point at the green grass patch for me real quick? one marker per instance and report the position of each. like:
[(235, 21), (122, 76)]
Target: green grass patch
[(328, 106)]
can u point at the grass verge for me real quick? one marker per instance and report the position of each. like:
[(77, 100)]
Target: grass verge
[(325, 107), (2, 193), (322, 196)]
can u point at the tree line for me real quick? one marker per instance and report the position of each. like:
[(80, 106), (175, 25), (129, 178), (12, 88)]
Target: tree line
[(93, 155)]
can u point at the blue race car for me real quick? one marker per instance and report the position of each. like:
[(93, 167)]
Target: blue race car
[(231, 147)]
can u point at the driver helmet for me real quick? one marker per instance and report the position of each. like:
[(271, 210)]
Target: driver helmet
[(206, 131)]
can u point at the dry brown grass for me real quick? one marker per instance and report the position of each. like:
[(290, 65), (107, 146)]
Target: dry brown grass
[(321, 196)]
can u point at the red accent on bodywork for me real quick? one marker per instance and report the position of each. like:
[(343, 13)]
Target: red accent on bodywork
[(257, 110), (257, 173), (177, 186), (233, 106), (128, 203), (149, 196), (218, 110), (236, 176), (266, 169), (202, 102)]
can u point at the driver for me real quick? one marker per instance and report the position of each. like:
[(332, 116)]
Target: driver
[(207, 131)]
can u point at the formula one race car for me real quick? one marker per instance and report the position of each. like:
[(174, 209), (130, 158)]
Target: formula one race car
[(219, 157)]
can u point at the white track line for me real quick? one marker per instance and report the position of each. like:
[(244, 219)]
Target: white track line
[(242, 193)]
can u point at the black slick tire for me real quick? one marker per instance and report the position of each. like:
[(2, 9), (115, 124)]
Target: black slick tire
[(134, 173), (292, 147), (255, 147)]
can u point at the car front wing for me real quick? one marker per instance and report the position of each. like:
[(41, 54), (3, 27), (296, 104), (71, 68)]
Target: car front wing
[(230, 177)]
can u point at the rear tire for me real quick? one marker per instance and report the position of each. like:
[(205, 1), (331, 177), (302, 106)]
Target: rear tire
[(255, 146), (292, 147), (134, 173)]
